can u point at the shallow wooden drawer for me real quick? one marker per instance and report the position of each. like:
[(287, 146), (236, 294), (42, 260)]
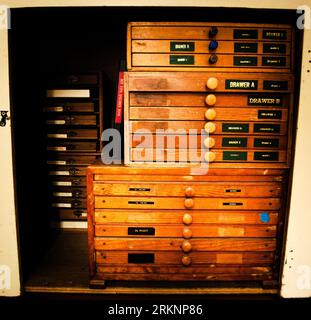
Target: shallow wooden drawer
[(220, 127), (177, 230), (186, 217), (72, 120), (66, 171), (164, 189), (68, 192), (180, 99), (67, 181), (72, 134), (150, 258), (174, 244), (199, 114), (71, 146), (65, 106), (69, 159), (69, 214), (63, 202), (73, 79)]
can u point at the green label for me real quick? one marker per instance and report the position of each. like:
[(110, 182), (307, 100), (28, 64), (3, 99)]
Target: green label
[(274, 61), (181, 59), (274, 34), (266, 143), (274, 48), (268, 128), (234, 155), (266, 156), (275, 85), (251, 47), (268, 114), (241, 84), (245, 34), (245, 61), (234, 142), (264, 100), (235, 127), (182, 46)]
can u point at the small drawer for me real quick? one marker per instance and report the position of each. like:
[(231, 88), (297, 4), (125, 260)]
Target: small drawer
[(72, 159), (68, 203), (72, 120), (66, 171), (72, 146), (60, 107), (69, 214), (67, 181), (72, 134), (68, 192)]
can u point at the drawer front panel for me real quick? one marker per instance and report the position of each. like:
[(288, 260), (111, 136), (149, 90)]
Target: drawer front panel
[(66, 171), (73, 79), (67, 181), (59, 202), (72, 134), (65, 106), (66, 146), (68, 192), (72, 159), (69, 214), (72, 120)]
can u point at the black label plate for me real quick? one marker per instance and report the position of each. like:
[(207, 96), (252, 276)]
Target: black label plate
[(266, 143), (274, 34), (182, 46), (249, 47), (140, 189), (266, 127), (140, 202), (141, 231), (233, 84), (266, 156), (234, 155), (264, 100), (235, 127), (245, 61), (233, 190), (275, 85), (181, 59), (269, 114), (232, 204), (234, 142), (245, 34), (140, 258), (274, 61), (274, 48)]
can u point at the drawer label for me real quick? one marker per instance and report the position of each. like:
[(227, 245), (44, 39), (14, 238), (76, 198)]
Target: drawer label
[(264, 217), (181, 59), (266, 156), (140, 202), (182, 46), (140, 189), (274, 48), (53, 109), (265, 127), (235, 155), (266, 143), (267, 114), (56, 148), (59, 173), (141, 231), (274, 34), (61, 205), (245, 34), (233, 190), (233, 204), (275, 85), (62, 194), (56, 162), (235, 127), (262, 100), (62, 183), (55, 121), (234, 142), (140, 258), (57, 135), (245, 61), (241, 84), (274, 61), (245, 47)]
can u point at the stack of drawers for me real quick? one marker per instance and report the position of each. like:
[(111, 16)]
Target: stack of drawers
[(73, 122)]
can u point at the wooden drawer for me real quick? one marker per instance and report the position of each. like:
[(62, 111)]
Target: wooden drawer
[(66, 106), (67, 181), (67, 171), (217, 114), (112, 202), (164, 189), (184, 217), (69, 214), (59, 202), (176, 244), (177, 230), (72, 159), (73, 79), (71, 146), (70, 120), (68, 192), (72, 134)]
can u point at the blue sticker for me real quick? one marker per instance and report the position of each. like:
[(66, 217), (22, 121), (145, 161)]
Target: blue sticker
[(264, 217)]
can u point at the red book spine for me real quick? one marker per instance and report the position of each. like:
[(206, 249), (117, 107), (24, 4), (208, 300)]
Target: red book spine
[(120, 98)]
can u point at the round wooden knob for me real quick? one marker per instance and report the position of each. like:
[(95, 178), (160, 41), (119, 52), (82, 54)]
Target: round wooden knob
[(210, 114), (186, 260), (210, 127), (186, 246), (187, 233), (210, 99), (189, 203), (209, 142), (189, 192), (187, 219), (209, 156), (212, 83)]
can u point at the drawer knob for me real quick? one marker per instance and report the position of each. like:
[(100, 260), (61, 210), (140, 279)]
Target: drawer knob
[(187, 233), (186, 260), (186, 246), (189, 203), (213, 45), (189, 192), (210, 99), (212, 83), (210, 156), (213, 32), (213, 59), (209, 142), (187, 219), (210, 127), (210, 114)]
